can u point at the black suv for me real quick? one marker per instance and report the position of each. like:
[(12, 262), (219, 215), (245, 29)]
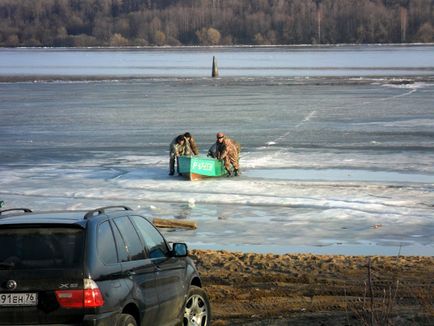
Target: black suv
[(109, 266)]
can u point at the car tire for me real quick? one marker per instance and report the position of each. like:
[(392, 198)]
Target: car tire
[(197, 310), (126, 320)]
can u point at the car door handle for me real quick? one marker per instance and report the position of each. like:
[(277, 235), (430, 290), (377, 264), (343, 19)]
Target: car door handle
[(130, 273)]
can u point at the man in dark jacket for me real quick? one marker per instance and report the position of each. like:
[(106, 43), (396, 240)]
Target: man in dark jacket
[(177, 148), (191, 145)]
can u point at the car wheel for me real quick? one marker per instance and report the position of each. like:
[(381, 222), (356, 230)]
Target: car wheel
[(126, 320), (197, 310)]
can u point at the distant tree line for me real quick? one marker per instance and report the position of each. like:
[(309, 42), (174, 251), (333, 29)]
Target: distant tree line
[(213, 22)]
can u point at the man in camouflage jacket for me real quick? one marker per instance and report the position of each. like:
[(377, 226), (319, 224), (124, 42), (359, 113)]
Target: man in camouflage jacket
[(228, 150)]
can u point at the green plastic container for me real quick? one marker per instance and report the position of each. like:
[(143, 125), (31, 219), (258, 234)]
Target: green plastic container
[(198, 167)]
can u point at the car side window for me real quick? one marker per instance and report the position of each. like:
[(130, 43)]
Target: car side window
[(121, 246), (153, 239), (133, 243), (106, 244)]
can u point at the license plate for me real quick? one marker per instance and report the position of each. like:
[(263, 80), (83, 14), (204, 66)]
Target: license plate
[(18, 299)]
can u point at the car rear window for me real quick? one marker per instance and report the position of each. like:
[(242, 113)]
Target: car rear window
[(42, 248)]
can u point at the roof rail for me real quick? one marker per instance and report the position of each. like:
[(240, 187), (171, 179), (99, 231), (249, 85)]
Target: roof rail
[(102, 210), (25, 210)]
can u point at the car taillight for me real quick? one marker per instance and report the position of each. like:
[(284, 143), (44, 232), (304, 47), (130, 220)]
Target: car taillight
[(89, 297)]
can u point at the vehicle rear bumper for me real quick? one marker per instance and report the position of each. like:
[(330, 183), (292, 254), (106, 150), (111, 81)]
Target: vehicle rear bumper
[(107, 319)]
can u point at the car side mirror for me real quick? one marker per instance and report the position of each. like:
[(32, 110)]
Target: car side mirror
[(179, 250)]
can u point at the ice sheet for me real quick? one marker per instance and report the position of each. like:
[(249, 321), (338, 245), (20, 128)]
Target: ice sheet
[(254, 212)]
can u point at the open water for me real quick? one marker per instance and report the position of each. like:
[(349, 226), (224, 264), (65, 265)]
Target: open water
[(337, 142)]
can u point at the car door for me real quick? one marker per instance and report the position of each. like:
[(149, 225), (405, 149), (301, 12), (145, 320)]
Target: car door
[(139, 272), (107, 269), (171, 284)]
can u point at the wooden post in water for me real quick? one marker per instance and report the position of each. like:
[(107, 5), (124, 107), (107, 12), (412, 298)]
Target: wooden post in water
[(215, 71)]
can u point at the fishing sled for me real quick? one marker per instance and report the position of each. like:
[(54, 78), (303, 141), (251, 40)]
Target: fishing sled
[(199, 167)]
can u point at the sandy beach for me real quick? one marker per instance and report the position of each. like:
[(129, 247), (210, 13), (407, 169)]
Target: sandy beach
[(305, 289)]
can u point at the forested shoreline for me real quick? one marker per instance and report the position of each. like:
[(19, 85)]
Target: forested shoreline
[(72, 23)]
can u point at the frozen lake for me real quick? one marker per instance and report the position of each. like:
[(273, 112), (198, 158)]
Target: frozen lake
[(340, 175), (337, 143)]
